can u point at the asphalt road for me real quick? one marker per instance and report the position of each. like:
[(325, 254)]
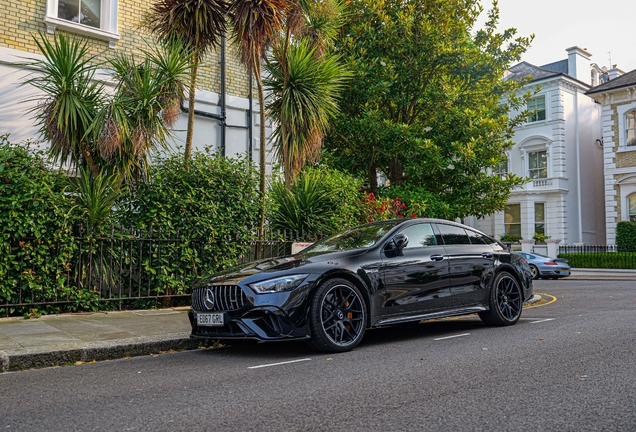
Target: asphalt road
[(568, 365)]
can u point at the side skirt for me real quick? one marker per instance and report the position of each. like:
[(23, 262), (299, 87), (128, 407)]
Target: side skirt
[(432, 315)]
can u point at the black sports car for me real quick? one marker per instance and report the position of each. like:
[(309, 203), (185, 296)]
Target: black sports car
[(373, 275)]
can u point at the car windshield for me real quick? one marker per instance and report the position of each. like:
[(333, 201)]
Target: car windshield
[(356, 238)]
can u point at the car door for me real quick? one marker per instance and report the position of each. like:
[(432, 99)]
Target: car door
[(471, 263), (417, 280)]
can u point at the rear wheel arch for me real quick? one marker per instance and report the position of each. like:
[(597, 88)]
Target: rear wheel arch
[(510, 269)]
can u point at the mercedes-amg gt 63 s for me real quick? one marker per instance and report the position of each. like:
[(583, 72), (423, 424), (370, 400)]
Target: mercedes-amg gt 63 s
[(379, 274)]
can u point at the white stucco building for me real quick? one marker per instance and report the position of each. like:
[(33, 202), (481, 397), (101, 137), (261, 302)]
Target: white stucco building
[(559, 150)]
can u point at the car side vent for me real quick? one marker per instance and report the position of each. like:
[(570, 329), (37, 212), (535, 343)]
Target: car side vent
[(217, 298)]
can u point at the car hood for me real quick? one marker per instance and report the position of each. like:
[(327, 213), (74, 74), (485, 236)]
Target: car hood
[(269, 267)]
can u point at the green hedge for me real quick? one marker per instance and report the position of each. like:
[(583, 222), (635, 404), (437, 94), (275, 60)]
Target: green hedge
[(37, 246), (626, 234), (606, 260), (170, 229)]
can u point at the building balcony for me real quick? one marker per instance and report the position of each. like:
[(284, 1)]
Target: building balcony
[(554, 184)]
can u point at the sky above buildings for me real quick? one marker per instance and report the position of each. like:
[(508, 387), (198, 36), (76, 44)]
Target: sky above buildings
[(600, 26)]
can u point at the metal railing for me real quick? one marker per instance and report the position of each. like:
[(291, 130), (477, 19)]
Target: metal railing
[(589, 256), (126, 269)]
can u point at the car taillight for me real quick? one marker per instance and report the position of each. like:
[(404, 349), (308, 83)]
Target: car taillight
[(550, 263), (525, 261)]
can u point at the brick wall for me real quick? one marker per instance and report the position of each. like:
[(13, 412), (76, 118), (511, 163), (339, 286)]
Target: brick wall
[(20, 19)]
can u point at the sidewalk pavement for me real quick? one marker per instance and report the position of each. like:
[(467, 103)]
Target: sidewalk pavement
[(84, 337), (69, 338)]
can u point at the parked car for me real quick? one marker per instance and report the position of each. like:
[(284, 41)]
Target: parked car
[(373, 275), (546, 267)]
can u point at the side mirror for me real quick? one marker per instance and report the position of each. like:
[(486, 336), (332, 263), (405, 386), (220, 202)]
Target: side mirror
[(400, 242)]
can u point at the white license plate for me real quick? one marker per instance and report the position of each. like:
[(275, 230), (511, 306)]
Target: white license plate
[(210, 320)]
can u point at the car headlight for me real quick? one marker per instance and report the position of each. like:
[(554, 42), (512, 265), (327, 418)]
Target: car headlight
[(285, 283)]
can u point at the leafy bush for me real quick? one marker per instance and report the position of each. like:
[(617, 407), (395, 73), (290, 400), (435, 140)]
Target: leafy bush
[(510, 238), (321, 201), (213, 199), (626, 234), (379, 209), (608, 260), (36, 231)]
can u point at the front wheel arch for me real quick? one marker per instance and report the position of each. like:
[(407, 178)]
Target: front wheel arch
[(358, 283)]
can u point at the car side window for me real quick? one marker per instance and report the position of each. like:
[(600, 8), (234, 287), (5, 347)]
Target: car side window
[(453, 235), (478, 238), (419, 235)]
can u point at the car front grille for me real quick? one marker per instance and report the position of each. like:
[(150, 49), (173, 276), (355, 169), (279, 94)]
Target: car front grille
[(226, 298)]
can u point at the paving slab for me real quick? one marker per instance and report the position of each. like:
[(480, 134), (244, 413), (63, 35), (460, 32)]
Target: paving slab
[(67, 338)]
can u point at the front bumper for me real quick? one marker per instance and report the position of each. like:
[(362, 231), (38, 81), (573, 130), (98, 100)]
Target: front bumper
[(265, 324)]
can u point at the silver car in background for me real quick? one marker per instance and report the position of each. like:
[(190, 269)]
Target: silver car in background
[(546, 267)]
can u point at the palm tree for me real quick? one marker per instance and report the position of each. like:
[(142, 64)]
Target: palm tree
[(305, 82), (88, 126), (145, 105), (198, 23), (256, 23), (302, 102), (72, 99)]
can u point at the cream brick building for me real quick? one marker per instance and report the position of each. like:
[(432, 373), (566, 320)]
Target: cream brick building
[(618, 100), (227, 122)]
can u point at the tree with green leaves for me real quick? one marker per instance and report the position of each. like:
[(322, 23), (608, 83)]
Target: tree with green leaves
[(200, 25), (428, 108), (305, 80)]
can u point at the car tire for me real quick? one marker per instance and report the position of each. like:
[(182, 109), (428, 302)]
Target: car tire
[(535, 272), (505, 301), (337, 316)]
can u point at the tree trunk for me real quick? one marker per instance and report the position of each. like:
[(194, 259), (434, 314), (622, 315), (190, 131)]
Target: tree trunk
[(263, 148), (396, 174), (191, 99), (88, 157), (373, 178)]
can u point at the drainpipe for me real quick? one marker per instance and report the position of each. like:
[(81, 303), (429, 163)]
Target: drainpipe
[(250, 114), (578, 163), (223, 110)]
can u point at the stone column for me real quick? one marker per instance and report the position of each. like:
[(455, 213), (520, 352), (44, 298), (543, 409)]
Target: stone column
[(527, 245), (553, 248)]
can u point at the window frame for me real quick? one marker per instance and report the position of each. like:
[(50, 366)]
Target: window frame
[(621, 112), (632, 129), (539, 169), (108, 30), (629, 207), (536, 222), (500, 170), (536, 113), (513, 223)]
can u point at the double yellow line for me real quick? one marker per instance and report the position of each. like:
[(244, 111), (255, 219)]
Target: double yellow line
[(552, 300)]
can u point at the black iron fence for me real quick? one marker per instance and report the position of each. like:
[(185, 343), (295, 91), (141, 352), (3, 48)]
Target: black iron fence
[(608, 257), (124, 269)]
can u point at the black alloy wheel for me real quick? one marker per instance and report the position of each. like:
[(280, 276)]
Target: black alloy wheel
[(535, 271), (337, 317), (505, 301)]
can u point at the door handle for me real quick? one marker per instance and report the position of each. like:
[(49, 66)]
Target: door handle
[(487, 255), (437, 257)]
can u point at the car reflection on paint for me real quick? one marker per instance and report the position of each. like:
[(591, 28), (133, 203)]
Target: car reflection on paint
[(373, 275), (546, 267)]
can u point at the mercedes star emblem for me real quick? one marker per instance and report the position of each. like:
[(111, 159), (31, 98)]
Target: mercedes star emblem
[(208, 300)]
